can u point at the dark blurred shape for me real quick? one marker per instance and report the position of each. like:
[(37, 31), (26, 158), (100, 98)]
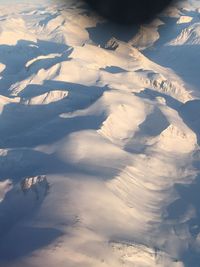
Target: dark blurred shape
[(129, 11)]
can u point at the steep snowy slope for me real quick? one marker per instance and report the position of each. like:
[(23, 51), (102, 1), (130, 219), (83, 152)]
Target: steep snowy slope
[(99, 138)]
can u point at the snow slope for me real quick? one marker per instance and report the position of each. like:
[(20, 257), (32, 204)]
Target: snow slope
[(99, 136)]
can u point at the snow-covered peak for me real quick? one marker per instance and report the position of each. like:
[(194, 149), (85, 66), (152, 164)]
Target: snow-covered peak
[(99, 132)]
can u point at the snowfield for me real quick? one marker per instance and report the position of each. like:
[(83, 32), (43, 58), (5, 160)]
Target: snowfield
[(99, 137)]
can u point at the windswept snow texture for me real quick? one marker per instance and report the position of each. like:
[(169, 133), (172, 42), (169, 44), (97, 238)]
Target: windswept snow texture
[(99, 138)]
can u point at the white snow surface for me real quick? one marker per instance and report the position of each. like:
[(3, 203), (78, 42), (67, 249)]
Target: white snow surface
[(99, 137)]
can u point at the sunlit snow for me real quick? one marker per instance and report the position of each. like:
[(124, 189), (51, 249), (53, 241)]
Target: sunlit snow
[(99, 138)]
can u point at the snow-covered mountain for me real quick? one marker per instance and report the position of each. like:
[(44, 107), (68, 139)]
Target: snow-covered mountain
[(99, 137)]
